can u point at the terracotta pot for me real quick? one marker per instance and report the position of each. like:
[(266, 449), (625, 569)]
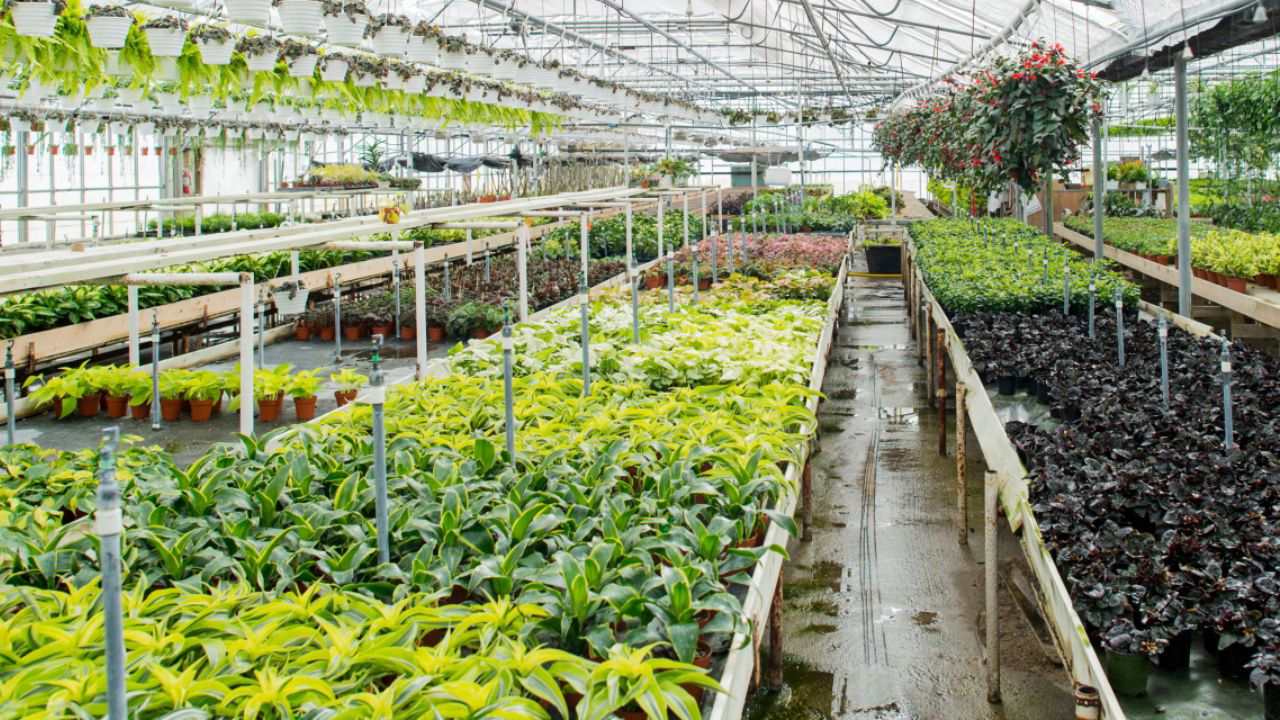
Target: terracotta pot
[(344, 396), (1198, 272), (140, 412), (1237, 284), (704, 283), (435, 331), (303, 332), (383, 330), (326, 333), (305, 407), (408, 332), (482, 333), (351, 332), (269, 409), (89, 405), (703, 659), (217, 404), (652, 282), (170, 409), (117, 405), (201, 410)]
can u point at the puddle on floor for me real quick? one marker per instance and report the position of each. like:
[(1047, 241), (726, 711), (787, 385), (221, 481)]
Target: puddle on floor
[(899, 416), (810, 694)]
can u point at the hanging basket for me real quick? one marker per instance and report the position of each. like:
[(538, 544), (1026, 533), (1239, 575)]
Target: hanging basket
[(334, 70), (392, 40), (304, 66), (216, 52), (34, 19), (421, 49), (343, 30), (451, 60), (286, 305), (301, 17), (165, 42), (249, 12), (415, 84), (108, 32), (266, 62)]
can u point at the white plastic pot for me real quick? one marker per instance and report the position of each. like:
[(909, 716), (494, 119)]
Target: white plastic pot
[(102, 104), (452, 60), (415, 84), (392, 41), (165, 42), (18, 125), (216, 53), (145, 128), (200, 104), (480, 64), (343, 30), (108, 32), (34, 19), (249, 12), (330, 115), (36, 90), (118, 127), (364, 79), (130, 95), (286, 305), (334, 70), (252, 133), (167, 69), (301, 17), (392, 82), (421, 49), (265, 62), (168, 101), (304, 66), (291, 134)]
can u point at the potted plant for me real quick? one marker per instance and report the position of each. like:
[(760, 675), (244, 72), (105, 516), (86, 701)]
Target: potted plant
[(261, 52), (249, 12), (884, 255), (301, 58), (320, 320), (116, 382), (301, 17), (165, 35), (348, 382), (334, 67), (302, 387), (389, 34), (139, 395), (108, 26), (345, 21), (422, 46), (54, 393), (35, 18), (203, 390), (171, 390), (476, 318), (268, 389), (215, 42)]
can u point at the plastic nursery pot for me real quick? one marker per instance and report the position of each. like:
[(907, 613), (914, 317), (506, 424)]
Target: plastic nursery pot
[(1271, 701), (88, 405), (302, 332), (1032, 386), (351, 332), (344, 396), (1007, 384), (383, 330), (652, 282), (117, 405), (305, 407), (326, 333), (269, 409), (1177, 654), (704, 283), (883, 259), (170, 409), (408, 332), (435, 331), (140, 412), (201, 410), (1128, 673), (1236, 284), (1232, 659)]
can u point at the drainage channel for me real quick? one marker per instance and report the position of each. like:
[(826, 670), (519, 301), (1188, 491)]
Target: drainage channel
[(882, 608)]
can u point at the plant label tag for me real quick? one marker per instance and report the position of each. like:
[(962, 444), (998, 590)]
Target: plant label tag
[(9, 373), (1226, 366), (1164, 332), (376, 395), (108, 522), (508, 343)]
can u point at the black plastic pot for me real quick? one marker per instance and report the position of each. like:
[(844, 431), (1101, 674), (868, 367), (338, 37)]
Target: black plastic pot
[(1033, 387), (1211, 641), (884, 259), (1007, 384), (1271, 702), (1022, 381), (1042, 394), (1177, 654), (1071, 413), (1055, 412), (1231, 661)]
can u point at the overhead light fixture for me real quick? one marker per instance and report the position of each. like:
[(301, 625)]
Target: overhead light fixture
[(1186, 52), (1260, 14)]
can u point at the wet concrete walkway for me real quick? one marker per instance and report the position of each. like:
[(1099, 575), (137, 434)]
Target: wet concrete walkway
[(883, 608)]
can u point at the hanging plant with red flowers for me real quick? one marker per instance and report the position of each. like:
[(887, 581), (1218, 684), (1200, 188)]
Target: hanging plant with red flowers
[(1013, 121)]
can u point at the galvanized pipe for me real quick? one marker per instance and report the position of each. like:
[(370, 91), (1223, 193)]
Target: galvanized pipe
[(1162, 329), (109, 525), (962, 440), (508, 392), (1184, 186), (991, 574), (586, 337), (155, 370)]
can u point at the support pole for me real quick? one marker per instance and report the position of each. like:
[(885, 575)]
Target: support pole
[(469, 238), (135, 351), (109, 525), (775, 637), (1048, 203), (508, 392), (1184, 186), (377, 402), (991, 573), (1099, 188), (940, 387), (522, 267), (586, 337), (1228, 431), (962, 440), (1162, 330), (584, 233), (635, 301), (806, 498), (246, 353), (262, 328), (337, 318), (10, 397), (156, 416), (420, 307)]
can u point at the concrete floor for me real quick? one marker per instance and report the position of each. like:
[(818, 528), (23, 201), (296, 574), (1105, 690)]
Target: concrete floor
[(188, 440), (883, 608)]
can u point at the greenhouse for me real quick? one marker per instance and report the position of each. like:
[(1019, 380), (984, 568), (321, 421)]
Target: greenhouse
[(604, 360)]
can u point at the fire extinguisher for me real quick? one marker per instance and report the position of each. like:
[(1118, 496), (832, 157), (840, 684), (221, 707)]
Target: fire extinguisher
[(186, 182)]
